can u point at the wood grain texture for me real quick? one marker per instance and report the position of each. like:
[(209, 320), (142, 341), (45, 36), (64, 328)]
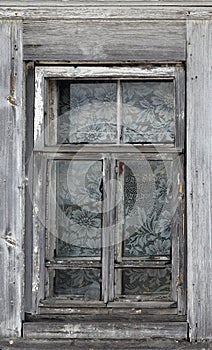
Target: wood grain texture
[(113, 11), (83, 329), (39, 222), (11, 179), (64, 3), (82, 344), (104, 41), (116, 316), (29, 102), (199, 179)]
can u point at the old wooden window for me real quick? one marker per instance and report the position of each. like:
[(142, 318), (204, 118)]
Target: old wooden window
[(108, 188)]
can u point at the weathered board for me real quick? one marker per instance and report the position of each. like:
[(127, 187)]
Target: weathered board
[(11, 179), (102, 41), (64, 3), (82, 329), (199, 179), (102, 11), (82, 344)]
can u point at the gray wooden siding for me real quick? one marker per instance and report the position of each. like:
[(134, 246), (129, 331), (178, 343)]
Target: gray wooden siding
[(11, 184), (199, 178), (74, 41), (102, 41)]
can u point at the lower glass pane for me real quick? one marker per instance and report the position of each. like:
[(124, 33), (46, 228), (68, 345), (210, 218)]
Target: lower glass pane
[(79, 208), (147, 207), (146, 281), (83, 284)]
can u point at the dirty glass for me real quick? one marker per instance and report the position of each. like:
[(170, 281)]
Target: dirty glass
[(147, 187), (145, 281), (79, 207), (81, 284), (148, 112), (87, 112), (97, 111)]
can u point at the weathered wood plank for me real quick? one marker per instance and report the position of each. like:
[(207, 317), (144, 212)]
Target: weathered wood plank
[(102, 12), (109, 316), (82, 344), (199, 179), (39, 222), (123, 12), (11, 179), (105, 330), (45, 310), (104, 41), (58, 3)]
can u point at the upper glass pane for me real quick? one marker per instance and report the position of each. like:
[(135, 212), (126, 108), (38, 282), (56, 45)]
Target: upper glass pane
[(148, 112), (111, 111), (87, 112), (147, 207), (79, 203)]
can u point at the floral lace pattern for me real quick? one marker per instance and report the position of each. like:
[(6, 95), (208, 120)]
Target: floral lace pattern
[(148, 112), (88, 112), (90, 115), (79, 200), (147, 229), (81, 284), (140, 282), (97, 111)]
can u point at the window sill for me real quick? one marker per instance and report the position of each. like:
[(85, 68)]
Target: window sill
[(115, 327)]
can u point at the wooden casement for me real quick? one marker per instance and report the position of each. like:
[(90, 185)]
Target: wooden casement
[(45, 156), (148, 34)]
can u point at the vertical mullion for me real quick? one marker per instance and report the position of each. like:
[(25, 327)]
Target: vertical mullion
[(51, 221), (178, 239), (175, 233), (180, 107), (105, 237), (120, 222), (119, 114), (182, 242), (112, 227), (117, 236), (108, 229), (51, 214)]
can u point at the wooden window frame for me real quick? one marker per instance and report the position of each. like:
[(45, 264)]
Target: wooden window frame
[(42, 154)]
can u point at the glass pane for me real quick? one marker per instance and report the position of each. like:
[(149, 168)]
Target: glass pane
[(147, 207), (138, 282), (83, 284), (79, 207), (148, 111), (87, 112)]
